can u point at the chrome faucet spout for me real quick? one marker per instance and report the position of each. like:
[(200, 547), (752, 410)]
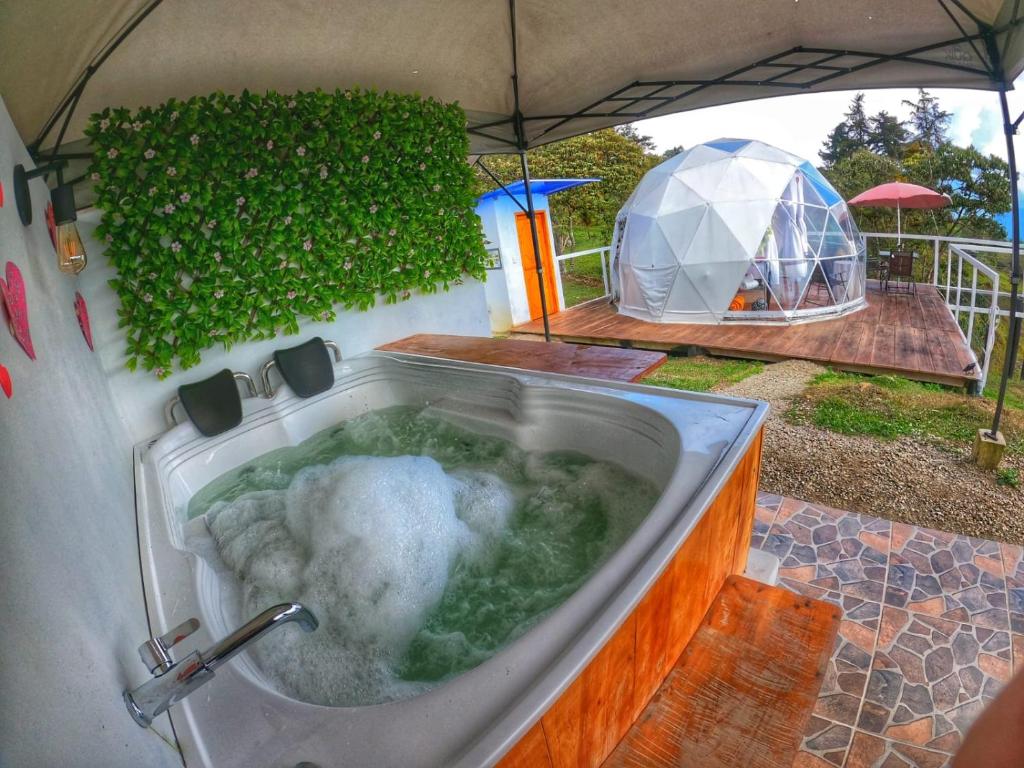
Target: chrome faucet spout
[(172, 682)]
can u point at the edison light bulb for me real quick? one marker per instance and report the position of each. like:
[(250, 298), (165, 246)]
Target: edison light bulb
[(70, 251)]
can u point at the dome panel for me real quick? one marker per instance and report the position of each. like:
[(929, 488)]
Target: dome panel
[(644, 246), (680, 227), (699, 155), (753, 180), (747, 221), (716, 282), (714, 241)]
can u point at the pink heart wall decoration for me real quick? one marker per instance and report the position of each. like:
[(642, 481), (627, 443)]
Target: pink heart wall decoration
[(82, 313), (12, 291)]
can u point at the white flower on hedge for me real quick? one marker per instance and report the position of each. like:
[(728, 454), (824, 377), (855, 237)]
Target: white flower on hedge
[(169, 209), (172, 171), (94, 176), (184, 197), (423, 166), (252, 173), (437, 187), (212, 224), (217, 257), (291, 103), (175, 246), (291, 294), (391, 232), (112, 153), (426, 273), (104, 124), (428, 150), (323, 171), (160, 371), (148, 298), (307, 245), (300, 151), (270, 144), (174, 116), (152, 191), (325, 315), (218, 294), (126, 125), (109, 238), (347, 264), (149, 154), (240, 201), (194, 139), (376, 135), (288, 219), (373, 208), (136, 126), (365, 159)]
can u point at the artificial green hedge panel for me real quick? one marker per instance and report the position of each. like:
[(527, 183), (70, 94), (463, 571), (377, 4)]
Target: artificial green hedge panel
[(230, 218)]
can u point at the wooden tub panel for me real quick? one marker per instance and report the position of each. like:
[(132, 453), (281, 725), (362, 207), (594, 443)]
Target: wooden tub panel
[(590, 718)]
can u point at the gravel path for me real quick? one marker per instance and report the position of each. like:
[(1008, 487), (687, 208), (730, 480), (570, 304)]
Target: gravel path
[(904, 480)]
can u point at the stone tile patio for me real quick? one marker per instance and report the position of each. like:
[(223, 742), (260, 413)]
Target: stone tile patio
[(933, 626)]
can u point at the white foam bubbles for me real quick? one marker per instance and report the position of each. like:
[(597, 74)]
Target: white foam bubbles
[(368, 544)]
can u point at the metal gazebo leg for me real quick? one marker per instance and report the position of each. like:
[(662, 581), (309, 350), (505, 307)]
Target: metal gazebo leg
[(1013, 332), (532, 215)]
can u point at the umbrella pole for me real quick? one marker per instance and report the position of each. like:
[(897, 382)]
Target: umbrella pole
[(899, 226)]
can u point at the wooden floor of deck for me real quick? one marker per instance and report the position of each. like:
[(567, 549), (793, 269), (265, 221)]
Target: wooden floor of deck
[(905, 334)]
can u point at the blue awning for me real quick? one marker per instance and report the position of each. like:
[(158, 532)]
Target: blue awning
[(539, 187)]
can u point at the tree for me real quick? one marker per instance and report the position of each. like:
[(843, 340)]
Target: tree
[(672, 151), (850, 136), (928, 120), (888, 135), (979, 186), (646, 143), (618, 160)]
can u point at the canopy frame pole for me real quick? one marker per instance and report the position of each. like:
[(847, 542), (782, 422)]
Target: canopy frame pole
[(480, 162), (522, 146), (1013, 331), (70, 101)]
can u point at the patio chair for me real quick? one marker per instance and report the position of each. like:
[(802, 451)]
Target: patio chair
[(899, 277)]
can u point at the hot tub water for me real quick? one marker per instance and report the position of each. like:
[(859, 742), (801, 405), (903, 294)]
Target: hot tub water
[(422, 547)]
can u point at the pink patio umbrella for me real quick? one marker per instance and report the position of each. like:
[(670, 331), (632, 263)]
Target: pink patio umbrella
[(899, 194)]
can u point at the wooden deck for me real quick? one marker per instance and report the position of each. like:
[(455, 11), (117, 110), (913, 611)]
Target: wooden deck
[(574, 359), (908, 335)]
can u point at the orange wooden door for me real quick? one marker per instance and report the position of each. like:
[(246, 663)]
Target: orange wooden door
[(530, 262)]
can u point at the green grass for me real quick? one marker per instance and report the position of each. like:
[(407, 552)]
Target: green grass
[(1008, 476), (889, 407), (701, 374)]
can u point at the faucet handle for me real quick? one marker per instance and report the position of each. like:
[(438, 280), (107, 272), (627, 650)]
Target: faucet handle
[(156, 652)]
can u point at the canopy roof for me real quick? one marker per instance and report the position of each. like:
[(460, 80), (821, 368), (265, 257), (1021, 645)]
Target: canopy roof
[(537, 186), (620, 63)]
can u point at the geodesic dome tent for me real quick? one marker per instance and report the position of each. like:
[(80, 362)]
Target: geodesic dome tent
[(736, 230)]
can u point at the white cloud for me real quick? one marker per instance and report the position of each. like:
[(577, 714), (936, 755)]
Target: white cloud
[(799, 124)]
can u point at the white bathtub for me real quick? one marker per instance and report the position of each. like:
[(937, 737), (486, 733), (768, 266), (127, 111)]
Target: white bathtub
[(687, 444)]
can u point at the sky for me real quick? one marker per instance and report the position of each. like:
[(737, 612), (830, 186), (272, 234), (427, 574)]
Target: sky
[(799, 124)]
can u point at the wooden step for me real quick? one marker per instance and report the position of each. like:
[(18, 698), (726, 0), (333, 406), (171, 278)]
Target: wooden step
[(742, 692)]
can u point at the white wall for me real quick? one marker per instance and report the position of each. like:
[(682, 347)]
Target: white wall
[(140, 397), (70, 588)]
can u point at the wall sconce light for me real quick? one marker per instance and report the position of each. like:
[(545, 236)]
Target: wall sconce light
[(71, 256)]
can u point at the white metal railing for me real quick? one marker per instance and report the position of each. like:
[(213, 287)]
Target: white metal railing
[(604, 255), (955, 272)]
